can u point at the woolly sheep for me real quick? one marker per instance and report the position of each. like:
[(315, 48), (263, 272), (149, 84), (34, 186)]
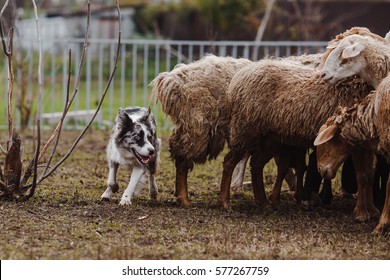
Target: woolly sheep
[(191, 142), (363, 31), (365, 125), (193, 96), (273, 103), (358, 55)]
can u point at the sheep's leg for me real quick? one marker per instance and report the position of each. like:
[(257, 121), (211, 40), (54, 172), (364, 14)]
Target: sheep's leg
[(312, 182), (363, 162), (283, 166), (181, 192), (384, 221), (259, 159), (300, 166), (326, 192), (230, 161), (238, 177), (291, 179)]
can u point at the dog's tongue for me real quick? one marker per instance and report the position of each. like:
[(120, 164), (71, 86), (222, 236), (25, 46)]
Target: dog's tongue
[(145, 159)]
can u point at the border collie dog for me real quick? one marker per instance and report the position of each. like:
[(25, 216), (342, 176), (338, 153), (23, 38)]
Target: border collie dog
[(133, 143)]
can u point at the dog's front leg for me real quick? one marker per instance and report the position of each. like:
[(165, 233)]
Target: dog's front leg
[(111, 181), (136, 176)]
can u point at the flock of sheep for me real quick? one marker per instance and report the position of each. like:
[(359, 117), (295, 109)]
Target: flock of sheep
[(275, 107)]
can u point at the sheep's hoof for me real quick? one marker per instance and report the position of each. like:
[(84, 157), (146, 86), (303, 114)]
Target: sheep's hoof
[(306, 205), (374, 212), (225, 205), (381, 228), (275, 203), (264, 205), (361, 215), (184, 202)]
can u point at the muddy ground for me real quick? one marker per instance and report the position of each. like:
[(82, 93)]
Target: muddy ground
[(66, 219)]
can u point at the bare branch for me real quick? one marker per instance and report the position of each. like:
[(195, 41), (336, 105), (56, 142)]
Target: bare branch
[(2, 30), (59, 126), (30, 192), (67, 104), (98, 107)]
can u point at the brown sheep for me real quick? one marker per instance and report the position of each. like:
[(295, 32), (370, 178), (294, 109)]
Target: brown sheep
[(363, 126), (184, 93), (367, 123), (193, 96), (273, 103)]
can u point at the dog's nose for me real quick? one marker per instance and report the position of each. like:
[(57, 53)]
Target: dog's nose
[(151, 152)]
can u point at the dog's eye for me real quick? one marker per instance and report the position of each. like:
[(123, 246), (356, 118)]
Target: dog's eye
[(150, 138)]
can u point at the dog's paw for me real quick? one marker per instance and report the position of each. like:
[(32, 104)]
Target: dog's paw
[(125, 201)]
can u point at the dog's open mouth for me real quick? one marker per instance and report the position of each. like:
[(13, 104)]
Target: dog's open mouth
[(142, 159)]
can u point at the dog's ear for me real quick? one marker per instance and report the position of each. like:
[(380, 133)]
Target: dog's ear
[(148, 116), (123, 118)]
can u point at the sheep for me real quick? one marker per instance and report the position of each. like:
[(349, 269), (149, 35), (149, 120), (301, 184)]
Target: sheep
[(273, 103), (193, 96), (366, 124), (197, 89), (363, 31), (358, 55)]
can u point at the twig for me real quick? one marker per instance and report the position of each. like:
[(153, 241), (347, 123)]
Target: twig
[(30, 192), (59, 163), (60, 124), (69, 102), (1, 29)]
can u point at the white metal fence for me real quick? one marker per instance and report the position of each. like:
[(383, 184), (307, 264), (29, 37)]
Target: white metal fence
[(139, 62)]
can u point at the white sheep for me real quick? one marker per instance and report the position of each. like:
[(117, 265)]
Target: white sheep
[(358, 55)]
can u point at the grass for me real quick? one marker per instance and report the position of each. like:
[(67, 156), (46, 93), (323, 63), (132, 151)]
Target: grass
[(66, 220)]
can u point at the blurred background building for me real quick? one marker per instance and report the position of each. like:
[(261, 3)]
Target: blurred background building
[(306, 20)]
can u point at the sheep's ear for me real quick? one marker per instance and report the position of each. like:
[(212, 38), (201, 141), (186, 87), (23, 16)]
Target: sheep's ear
[(387, 37), (325, 135), (332, 45), (352, 51)]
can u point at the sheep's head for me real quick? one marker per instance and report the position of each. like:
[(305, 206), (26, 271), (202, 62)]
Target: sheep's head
[(346, 59), (332, 148)]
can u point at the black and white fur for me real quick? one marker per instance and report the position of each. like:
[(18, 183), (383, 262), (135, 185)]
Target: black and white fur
[(133, 143)]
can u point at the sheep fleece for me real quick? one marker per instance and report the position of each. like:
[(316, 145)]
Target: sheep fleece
[(284, 101), (193, 95)]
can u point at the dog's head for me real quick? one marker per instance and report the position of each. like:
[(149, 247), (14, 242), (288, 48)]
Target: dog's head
[(135, 131)]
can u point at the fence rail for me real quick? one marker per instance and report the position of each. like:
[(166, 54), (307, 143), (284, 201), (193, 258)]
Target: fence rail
[(139, 62)]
